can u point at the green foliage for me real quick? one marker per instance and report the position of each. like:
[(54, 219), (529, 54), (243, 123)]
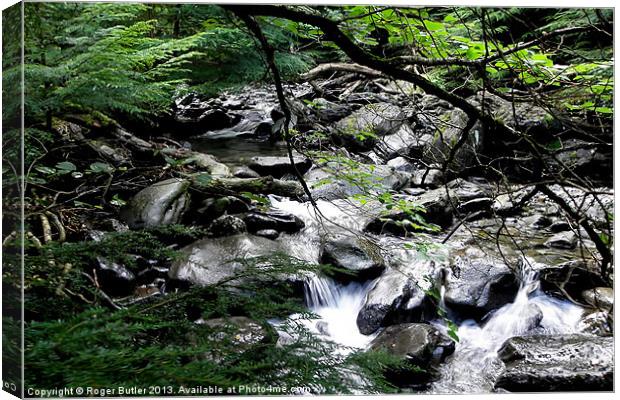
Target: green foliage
[(100, 348)]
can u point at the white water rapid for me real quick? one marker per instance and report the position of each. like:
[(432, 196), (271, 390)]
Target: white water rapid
[(474, 365)]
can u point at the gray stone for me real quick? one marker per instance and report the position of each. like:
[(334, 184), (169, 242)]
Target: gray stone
[(276, 220), (572, 278), (245, 172), (599, 297), (163, 203), (327, 182), (421, 345), (358, 255), (559, 226), (403, 142), (226, 225), (557, 363), (279, 166), (599, 323), (268, 233), (431, 177), (359, 130), (211, 260), (563, 240), (473, 287), (213, 208), (393, 297), (417, 343), (401, 164), (115, 279)]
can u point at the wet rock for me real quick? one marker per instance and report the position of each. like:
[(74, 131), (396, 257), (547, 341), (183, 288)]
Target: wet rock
[(438, 211), (505, 203), (359, 130), (115, 279), (557, 363), (226, 225), (585, 159), (473, 287), (599, 297), (211, 260), (563, 240), (402, 165), (359, 256), (599, 323), (276, 220), (428, 177), (245, 172), (572, 278), (559, 226), (197, 114), (327, 183), (163, 203), (209, 163), (213, 208), (268, 233), (394, 298), (440, 205), (403, 142), (537, 221), (329, 112), (421, 345), (597, 206), (279, 166), (450, 129)]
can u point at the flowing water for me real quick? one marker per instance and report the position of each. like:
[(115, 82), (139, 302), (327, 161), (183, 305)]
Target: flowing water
[(474, 365)]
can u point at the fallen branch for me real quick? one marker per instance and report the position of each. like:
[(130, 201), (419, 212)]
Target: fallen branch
[(341, 67)]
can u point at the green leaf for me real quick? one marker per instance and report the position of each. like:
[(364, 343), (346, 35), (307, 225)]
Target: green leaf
[(45, 170), (203, 179), (117, 201), (99, 167), (65, 167), (433, 26)]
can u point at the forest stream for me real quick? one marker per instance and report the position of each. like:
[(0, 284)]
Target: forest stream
[(280, 199)]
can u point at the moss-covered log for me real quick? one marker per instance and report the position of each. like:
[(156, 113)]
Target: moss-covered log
[(265, 185)]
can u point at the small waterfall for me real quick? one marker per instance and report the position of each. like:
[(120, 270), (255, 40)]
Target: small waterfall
[(335, 304), (474, 365), (337, 307)]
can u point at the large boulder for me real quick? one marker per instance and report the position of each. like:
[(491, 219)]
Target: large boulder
[(450, 127), (338, 181), (587, 159), (195, 114), (212, 260), (394, 298), (360, 130), (557, 363), (563, 240), (473, 287), (163, 203), (570, 278), (433, 207), (403, 142), (279, 166), (422, 346), (360, 257)]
